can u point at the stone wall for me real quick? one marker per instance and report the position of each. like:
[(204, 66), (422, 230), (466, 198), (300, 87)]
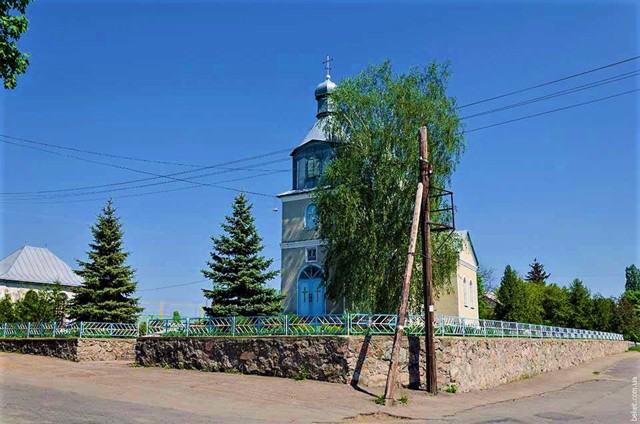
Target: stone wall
[(110, 349), (316, 358), (59, 348), (73, 349), (473, 363), (469, 363)]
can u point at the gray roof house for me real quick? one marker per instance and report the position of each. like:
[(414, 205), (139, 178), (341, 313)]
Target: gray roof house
[(34, 268)]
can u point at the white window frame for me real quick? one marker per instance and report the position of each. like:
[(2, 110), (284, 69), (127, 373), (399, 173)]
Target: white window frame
[(306, 254)]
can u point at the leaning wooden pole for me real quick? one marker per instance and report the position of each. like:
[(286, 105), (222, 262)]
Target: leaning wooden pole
[(404, 300), (427, 273)]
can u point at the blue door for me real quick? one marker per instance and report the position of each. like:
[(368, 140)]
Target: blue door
[(311, 291)]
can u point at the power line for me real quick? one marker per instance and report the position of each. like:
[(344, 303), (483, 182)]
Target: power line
[(174, 285), (468, 131), (34, 200), (167, 176), (558, 93), (90, 152), (187, 284), (67, 195), (552, 111), (173, 174), (39, 193), (549, 82)]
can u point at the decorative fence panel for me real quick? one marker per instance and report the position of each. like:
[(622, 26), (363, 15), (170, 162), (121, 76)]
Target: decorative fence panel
[(72, 329), (293, 325)]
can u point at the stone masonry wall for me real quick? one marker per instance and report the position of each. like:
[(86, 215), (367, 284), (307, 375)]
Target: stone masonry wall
[(110, 349), (473, 363), (59, 348), (316, 358), (73, 349), (469, 363)]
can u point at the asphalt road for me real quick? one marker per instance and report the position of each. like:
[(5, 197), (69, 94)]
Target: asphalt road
[(45, 390)]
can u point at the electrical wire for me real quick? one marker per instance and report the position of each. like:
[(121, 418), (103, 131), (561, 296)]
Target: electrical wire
[(552, 111), (561, 93), (550, 82)]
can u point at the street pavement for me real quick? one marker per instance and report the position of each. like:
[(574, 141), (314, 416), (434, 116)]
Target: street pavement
[(46, 390)]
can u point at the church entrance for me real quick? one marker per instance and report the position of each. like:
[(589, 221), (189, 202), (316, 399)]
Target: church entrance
[(311, 291)]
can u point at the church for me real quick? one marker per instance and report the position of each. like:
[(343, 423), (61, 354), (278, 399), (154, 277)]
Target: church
[(302, 250)]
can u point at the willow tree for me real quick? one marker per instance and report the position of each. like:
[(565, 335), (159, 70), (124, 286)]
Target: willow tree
[(365, 207)]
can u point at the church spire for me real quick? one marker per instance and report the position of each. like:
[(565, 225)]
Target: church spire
[(323, 91)]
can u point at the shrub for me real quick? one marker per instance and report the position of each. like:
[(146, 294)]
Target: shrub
[(451, 389)]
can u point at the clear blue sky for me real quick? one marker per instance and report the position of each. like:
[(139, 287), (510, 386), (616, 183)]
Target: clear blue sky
[(207, 82)]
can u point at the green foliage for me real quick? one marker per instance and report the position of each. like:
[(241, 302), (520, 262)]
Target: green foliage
[(627, 319), (452, 388), (35, 306), (176, 316), (13, 24), (142, 328), (301, 374), (632, 277), (237, 270), (106, 295), (556, 306), (519, 301), (365, 216), (635, 348), (603, 314), (404, 400), (7, 309), (537, 274), (572, 307), (580, 300), (379, 400)]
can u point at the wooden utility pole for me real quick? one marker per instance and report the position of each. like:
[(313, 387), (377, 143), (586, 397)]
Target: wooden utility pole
[(427, 273), (404, 300)]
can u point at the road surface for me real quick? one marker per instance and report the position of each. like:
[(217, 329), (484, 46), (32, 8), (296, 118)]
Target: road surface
[(45, 390)]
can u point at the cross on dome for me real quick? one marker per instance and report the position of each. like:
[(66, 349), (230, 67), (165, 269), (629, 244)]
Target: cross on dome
[(327, 65)]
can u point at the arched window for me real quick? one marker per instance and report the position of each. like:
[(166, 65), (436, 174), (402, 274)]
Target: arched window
[(311, 217), (464, 288), (472, 302)]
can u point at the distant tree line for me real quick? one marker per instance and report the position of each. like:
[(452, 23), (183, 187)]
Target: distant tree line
[(532, 300)]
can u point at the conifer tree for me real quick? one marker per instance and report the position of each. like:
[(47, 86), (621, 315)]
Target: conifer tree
[(580, 300), (518, 301), (632, 277), (237, 270), (537, 274), (106, 294)]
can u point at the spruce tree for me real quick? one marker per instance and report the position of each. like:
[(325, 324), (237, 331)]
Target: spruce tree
[(632, 277), (237, 270), (536, 274), (106, 294), (510, 296)]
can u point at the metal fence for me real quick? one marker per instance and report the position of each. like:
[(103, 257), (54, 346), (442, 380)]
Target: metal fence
[(374, 324), (293, 325), (72, 329)]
